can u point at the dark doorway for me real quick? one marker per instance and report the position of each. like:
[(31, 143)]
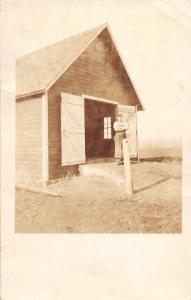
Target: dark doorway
[(99, 133)]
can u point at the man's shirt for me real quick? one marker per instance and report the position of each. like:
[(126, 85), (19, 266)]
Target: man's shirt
[(120, 126)]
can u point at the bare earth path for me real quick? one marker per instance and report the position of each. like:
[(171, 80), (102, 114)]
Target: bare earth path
[(95, 205)]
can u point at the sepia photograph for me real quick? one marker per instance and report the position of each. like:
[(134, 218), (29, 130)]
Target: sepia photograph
[(98, 128), (95, 150)]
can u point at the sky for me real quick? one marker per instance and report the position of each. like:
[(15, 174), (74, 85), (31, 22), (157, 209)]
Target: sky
[(150, 37)]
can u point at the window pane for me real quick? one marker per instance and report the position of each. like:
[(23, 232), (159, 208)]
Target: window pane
[(107, 128), (109, 133), (105, 133)]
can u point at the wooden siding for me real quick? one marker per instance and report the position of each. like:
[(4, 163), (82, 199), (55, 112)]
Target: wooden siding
[(29, 139), (97, 72)]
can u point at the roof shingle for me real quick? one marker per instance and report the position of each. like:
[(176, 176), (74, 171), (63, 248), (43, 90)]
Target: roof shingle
[(36, 70)]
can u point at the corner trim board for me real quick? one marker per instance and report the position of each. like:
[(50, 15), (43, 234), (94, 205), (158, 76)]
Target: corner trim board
[(45, 166)]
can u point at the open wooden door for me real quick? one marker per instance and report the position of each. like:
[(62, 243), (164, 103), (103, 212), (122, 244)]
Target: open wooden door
[(130, 115), (72, 130)]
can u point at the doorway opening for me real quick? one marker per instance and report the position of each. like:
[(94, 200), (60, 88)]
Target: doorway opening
[(99, 132)]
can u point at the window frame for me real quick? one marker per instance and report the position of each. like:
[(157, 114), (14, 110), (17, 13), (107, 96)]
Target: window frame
[(107, 128)]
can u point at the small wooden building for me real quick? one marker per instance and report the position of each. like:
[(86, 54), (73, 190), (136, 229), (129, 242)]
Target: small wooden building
[(68, 95)]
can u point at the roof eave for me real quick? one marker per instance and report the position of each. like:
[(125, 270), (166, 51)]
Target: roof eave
[(27, 95)]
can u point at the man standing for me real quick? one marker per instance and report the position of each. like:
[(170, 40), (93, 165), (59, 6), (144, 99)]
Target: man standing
[(120, 127)]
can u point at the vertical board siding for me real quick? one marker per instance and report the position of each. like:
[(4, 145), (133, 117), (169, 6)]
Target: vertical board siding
[(29, 139), (97, 72)]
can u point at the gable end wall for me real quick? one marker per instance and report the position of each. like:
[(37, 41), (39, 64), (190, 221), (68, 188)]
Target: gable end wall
[(97, 72)]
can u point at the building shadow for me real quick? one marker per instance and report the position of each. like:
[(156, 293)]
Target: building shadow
[(151, 185)]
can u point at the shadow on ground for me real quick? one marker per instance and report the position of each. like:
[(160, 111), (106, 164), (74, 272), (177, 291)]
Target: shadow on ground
[(97, 205)]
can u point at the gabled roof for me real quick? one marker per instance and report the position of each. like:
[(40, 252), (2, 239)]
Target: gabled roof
[(37, 71)]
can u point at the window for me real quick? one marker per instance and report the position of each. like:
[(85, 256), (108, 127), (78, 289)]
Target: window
[(107, 128)]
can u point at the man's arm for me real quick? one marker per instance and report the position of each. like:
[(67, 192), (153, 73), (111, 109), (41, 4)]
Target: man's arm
[(120, 126), (116, 126)]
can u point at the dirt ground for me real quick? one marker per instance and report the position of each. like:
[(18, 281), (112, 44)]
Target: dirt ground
[(98, 205)]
